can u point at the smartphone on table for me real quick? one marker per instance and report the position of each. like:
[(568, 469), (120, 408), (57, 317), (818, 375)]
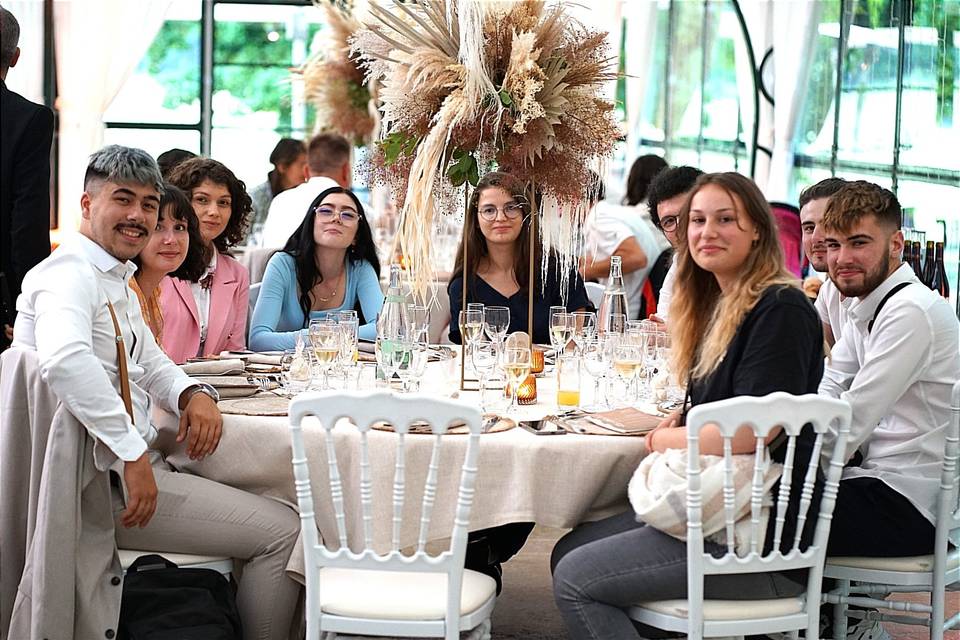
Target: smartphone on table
[(542, 427)]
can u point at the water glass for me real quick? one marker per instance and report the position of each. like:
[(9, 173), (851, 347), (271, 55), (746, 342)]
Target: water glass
[(296, 371), (568, 381), (419, 318), (484, 359), (596, 362)]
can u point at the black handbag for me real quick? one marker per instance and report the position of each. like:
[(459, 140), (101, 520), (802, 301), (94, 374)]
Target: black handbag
[(163, 602)]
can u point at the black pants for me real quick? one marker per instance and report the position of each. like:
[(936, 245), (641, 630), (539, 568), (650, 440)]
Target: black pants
[(871, 519), (496, 544)]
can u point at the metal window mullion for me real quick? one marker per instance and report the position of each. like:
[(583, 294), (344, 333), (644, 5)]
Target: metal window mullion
[(901, 63), (755, 70), (667, 73), (704, 25), (206, 75), (841, 56)]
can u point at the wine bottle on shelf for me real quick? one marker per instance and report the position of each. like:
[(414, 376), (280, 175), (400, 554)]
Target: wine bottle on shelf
[(907, 253), (614, 299), (929, 265), (915, 259), (939, 282)]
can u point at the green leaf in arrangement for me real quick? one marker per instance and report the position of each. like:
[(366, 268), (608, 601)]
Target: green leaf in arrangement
[(397, 144), (505, 98)]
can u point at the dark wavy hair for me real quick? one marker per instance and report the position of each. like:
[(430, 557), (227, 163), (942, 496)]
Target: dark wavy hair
[(283, 155), (667, 184), (189, 174), (180, 208), (302, 247), (642, 172)]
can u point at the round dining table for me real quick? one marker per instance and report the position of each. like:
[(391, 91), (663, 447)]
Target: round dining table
[(552, 480)]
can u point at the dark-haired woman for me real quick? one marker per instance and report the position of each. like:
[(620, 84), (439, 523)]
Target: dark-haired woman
[(498, 261), (209, 315), (329, 264), (175, 248), (289, 160)]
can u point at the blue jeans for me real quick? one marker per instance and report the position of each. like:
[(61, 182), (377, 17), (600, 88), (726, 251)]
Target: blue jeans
[(600, 568)]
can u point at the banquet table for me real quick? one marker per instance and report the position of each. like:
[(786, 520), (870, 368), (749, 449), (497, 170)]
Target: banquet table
[(552, 480)]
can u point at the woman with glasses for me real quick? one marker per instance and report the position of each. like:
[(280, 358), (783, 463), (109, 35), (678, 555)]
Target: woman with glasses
[(208, 315), (329, 264), (498, 261)]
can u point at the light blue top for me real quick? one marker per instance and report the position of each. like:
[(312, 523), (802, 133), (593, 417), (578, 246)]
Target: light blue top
[(278, 317)]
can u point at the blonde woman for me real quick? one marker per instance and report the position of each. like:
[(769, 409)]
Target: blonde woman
[(740, 326)]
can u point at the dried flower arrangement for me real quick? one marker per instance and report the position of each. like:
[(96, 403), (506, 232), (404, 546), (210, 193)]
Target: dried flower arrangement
[(470, 85), (335, 84)]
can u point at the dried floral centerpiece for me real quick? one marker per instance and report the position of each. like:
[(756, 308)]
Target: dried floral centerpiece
[(335, 84), (468, 86)]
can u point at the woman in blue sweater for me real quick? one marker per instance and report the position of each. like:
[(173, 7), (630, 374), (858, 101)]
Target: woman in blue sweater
[(329, 264)]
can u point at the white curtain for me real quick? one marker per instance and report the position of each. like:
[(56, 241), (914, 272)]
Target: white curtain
[(27, 77), (758, 17), (98, 45), (791, 65), (641, 42)]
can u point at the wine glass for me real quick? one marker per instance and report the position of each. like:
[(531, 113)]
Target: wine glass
[(584, 327), (420, 354), (596, 362), (627, 362), (326, 340), (484, 360), (384, 349), (471, 328), (496, 320), (402, 356), (419, 318), (516, 367), (561, 330)]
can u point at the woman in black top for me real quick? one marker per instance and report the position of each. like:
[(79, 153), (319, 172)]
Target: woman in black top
[(739, 326), (498, 261)]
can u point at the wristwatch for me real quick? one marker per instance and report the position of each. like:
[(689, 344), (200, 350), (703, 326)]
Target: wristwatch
[(203, 387)]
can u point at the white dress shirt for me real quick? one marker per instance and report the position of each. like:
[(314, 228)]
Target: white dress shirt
[(201, 297), (608, 226), (666, 290), (63, 315), (288, 209), (898, 380), (832, 308)]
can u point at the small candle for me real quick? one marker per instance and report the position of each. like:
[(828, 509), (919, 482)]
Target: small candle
[(527, 391), (536, 361)]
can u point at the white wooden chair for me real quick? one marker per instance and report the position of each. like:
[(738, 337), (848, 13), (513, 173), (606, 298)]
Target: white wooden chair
[(183, 560), (701, 618), (370, 593), (935, 573)]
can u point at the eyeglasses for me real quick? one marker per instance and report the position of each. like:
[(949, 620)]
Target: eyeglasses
[(669, 223), (510, 212), (329, 214)]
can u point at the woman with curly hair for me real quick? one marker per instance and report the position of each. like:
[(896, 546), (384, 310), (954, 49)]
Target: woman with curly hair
[(209, 315), (175, 249)]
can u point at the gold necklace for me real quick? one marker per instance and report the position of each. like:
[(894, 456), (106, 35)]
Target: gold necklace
[(332, 295)]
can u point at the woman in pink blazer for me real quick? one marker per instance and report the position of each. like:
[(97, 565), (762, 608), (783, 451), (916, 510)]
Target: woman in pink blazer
[(210, 315)]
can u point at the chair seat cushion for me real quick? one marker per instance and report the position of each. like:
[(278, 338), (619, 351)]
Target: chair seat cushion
[(908, 563), (398, 595), (729, 609), (129, 556)]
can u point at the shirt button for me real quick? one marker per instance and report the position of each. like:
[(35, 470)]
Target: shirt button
[(110, 633), (114, 580)]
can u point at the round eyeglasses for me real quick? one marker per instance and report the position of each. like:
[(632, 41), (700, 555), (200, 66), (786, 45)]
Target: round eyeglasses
[(328, 214), (510, 211), (669, 223)]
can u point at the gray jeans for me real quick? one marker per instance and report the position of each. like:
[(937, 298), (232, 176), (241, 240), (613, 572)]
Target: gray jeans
[(602, 567), (196, 515)]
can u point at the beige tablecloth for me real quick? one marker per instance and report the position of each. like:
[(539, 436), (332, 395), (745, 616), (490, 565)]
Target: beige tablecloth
[(557, 481)]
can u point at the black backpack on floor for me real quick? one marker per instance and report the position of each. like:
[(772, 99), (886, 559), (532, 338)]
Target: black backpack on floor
[(164, 602)]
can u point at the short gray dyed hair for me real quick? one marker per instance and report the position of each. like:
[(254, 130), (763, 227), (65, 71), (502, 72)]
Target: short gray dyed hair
[(9, 37), (118, 164)]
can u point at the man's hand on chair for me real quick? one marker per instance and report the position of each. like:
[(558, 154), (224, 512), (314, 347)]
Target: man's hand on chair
[(201, 425), (141, 492)]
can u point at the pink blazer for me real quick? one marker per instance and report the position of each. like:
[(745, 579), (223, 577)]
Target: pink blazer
[(227, 322)]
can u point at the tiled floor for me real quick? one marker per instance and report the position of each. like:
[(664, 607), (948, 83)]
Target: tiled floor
[(525, 609)]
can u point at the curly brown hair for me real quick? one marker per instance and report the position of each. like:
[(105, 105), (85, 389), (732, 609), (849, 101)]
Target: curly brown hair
[(189, 174), (858, 199)]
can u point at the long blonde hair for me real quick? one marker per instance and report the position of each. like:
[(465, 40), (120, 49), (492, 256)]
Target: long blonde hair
[(703, 319)]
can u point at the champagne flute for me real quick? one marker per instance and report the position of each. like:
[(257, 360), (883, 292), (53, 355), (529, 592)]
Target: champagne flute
[(561, 330), (420, 354), (484, 360), (516, 367), (471, 328), (496, 321), (584, 327)]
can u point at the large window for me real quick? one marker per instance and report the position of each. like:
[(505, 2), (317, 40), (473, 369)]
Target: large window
[(881, 106), (247, 50)]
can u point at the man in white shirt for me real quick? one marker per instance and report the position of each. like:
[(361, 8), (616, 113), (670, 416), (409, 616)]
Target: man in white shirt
[(328, 165), (65, 316), (830, 303), (895, 364), (666, 197)]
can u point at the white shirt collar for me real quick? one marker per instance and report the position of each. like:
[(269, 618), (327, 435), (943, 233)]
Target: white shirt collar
[(863, 309), (102, 260)]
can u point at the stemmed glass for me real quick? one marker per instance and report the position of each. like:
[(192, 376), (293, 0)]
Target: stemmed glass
[(627, 362), (584, 327), (326, 339), (471, 328), (402, 357), (496, 320), (597, 363), (420, 318), (484, 360), (385, 347), (654, 343), (516, 367), (419, 355), (561, 330)]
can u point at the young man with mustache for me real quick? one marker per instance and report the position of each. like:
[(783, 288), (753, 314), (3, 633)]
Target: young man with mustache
[(895, 363)]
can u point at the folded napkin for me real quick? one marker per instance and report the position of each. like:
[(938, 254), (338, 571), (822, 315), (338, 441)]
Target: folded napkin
[(625, 422), (213, 367), (231, 386), (267, 357)]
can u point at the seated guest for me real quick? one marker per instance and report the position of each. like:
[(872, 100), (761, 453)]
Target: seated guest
[(175, 248), (829, 304), (328, 165), (895, 363), (289, 160), (665, 198), (329, 264), (628, 232), (497, 233), (739, 327), (171, 158), (206, 316), (65, 316)]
